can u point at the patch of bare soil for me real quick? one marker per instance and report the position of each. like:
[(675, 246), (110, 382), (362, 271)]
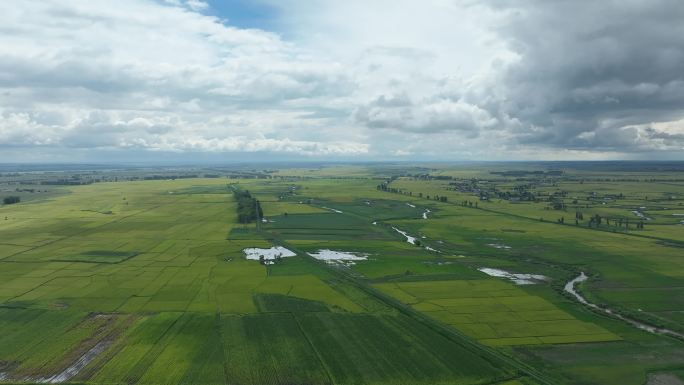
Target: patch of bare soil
[(663, 379), (107, 328)]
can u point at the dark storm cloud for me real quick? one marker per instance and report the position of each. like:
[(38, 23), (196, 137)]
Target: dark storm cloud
[(590, 70)]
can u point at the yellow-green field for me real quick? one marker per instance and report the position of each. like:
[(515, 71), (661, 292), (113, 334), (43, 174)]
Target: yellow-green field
[(496, 313), (148, 283)]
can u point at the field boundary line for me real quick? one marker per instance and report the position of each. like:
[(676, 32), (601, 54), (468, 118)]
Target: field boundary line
[(487, 353), (219, 332), (313, 347)]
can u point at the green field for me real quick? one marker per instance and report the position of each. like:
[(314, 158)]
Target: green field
[(495, 312), (147, 279)]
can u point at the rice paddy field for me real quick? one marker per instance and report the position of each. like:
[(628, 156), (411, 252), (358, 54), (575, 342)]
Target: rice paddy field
[(134, 281)]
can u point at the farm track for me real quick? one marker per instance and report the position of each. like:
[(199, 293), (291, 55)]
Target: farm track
[(313, 348)]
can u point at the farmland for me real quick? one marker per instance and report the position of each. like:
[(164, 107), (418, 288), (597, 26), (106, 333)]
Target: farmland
[(146, 277)]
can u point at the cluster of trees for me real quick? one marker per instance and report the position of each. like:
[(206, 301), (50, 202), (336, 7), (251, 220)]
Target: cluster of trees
[(173, 177), (557, 205), (597, 220), (385, 187), (249, 175), (520, 195), (66, 182), (248, 207), (526, 173), (11, 200), (264, 261), (467, 203)]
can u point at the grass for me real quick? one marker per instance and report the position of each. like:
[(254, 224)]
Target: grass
[(283, 303), (386, 349), (269, 349), (162, 261), (98, 256), (308, 287), (496, 313)]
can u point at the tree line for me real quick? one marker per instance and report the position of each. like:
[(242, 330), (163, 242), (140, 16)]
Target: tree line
[(11, 200), (248, 207), (385, 187)]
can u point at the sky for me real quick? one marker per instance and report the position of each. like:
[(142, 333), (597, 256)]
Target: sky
[(353, 80)]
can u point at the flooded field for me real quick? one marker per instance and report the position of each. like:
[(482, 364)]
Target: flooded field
[(517, 278), (270, 254), (338, 257)]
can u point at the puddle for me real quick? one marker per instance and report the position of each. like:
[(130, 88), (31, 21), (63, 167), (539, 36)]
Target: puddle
[(375, 223), (331, 209), (425, 214), (518, 278), (338, 257), (498, 246), (640, 215), (409, 239), (439, 263), (428, 248), (410, 205), (269, 254), (570, 288)]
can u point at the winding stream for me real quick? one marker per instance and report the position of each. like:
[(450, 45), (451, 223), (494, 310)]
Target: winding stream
[(570, 288)]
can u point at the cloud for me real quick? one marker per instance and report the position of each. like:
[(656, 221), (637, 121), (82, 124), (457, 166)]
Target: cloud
[(552, 75), (428, 116), (588, 72), (195, 5), (161, 76), (374, 80)]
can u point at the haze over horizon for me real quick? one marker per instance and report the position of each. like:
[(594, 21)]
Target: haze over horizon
[(193, 80)]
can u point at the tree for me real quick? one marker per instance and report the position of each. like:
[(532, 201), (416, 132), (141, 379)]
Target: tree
[(248, 208), (11, 200)]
